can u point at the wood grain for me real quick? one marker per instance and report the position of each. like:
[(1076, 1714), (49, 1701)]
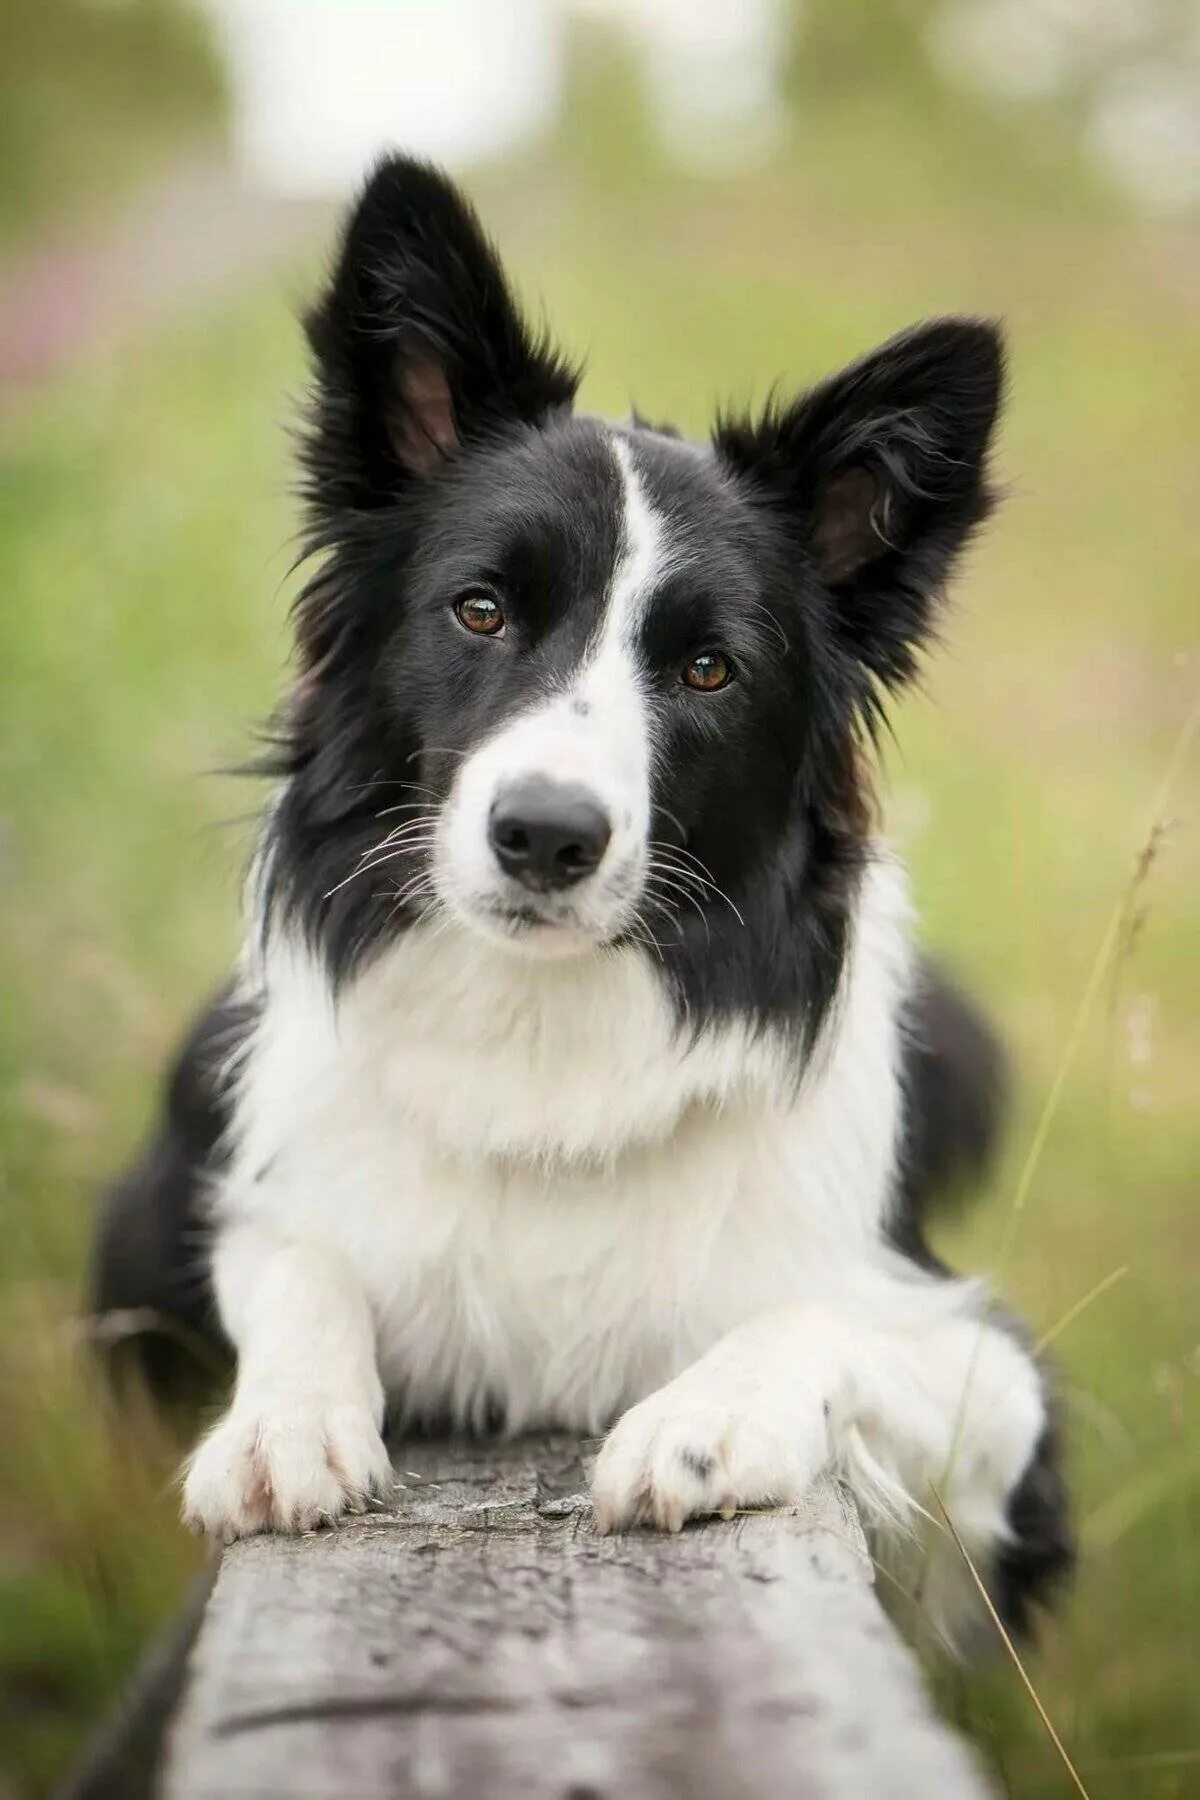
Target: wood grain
[(479, 1639)]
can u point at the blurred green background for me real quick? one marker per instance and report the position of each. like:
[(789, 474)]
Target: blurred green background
[(145, 532)]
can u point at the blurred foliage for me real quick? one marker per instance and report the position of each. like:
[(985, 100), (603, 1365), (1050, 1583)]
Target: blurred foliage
[(91, 92), (144, 534), (858, 60)]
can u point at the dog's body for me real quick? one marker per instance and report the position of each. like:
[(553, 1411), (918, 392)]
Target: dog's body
[(577, 1062)]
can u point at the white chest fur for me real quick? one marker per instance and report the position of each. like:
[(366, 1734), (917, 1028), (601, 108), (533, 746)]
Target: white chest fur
[(553, 1200)]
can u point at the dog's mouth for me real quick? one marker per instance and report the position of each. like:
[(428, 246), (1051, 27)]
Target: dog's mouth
[(525, 919), (542, 924)]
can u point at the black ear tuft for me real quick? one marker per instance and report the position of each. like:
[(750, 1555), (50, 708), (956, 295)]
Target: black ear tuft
[(882, 474), (418, 343)]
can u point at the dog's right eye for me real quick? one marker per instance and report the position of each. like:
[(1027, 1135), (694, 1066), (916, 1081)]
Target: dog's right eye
[(481, 614), (707, 672)]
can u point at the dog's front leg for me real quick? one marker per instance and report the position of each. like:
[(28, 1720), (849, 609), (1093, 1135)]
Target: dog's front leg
[(907, 1390), (301, 1441), (746, 1425)]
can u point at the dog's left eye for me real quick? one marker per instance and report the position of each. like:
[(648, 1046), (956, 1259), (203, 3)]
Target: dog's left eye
[(481, 614), (708, 672)]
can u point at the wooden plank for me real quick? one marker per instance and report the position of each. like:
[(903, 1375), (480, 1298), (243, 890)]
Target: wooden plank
[(122, 1759), (478, 1639)]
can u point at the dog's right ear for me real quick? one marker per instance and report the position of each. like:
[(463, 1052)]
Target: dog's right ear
[(418, 344)]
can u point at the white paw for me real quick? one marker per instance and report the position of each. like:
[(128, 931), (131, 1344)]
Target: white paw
[(698, 1447), (285, 1467)]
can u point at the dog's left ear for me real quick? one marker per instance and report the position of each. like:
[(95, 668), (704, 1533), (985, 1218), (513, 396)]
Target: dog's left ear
[(881, 475), (418, 344)]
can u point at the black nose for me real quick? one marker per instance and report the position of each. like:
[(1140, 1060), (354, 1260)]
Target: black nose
[(548, 834)]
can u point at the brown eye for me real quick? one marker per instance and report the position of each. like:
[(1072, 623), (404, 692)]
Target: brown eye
[(708, 672), (481, 614)]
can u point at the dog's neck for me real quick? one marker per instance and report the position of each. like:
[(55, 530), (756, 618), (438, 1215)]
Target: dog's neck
[(494, 1056)]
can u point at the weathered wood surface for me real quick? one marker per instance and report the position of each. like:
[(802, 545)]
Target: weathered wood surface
[(478, 1639)]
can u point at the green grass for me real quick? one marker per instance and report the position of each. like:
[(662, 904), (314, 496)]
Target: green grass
[(144, 528)]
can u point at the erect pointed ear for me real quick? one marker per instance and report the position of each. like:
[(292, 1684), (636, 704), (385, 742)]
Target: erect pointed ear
[(417, 342), (881, 473)]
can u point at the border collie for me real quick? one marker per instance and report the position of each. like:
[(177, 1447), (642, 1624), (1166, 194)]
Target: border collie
[(579, 1070)]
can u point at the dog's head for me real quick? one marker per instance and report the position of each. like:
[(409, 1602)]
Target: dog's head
[(581, 685)]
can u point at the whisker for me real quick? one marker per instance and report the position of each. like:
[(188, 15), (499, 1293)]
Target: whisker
[(424, 822), (436, 750), (644, 935), (674, 818), (404, 898), (414, 787), (377, 855), (388, 852), (377, 781), (409, 829), (663, 883), (673, 851), (777, 628), (668, 914), (407, 806), (422, 878), (378, 859), (705, 876), (662, 906), (688, 877)]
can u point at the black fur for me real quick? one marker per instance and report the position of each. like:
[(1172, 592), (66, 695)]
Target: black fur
[(149, 1267), (415, 279), (442, 458), (441, 455), (1036, 1564), (956, 1091), (881, 472)]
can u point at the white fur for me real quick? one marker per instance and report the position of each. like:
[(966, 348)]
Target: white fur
[(483, 1179), (301, 1442)]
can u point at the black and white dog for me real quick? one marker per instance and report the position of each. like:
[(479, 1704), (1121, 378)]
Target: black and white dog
[(579, 1070)]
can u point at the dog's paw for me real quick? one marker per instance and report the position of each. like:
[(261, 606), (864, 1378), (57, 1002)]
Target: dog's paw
[(289, 1467), (693, 1449)]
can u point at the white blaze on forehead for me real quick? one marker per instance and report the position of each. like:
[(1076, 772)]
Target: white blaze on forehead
[(640, 557), (610, 680)]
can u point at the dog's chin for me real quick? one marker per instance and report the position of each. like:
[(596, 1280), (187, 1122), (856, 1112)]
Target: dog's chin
[(530, 927)]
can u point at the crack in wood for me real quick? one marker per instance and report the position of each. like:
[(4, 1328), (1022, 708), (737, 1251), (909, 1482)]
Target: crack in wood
[(477, 1637)]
